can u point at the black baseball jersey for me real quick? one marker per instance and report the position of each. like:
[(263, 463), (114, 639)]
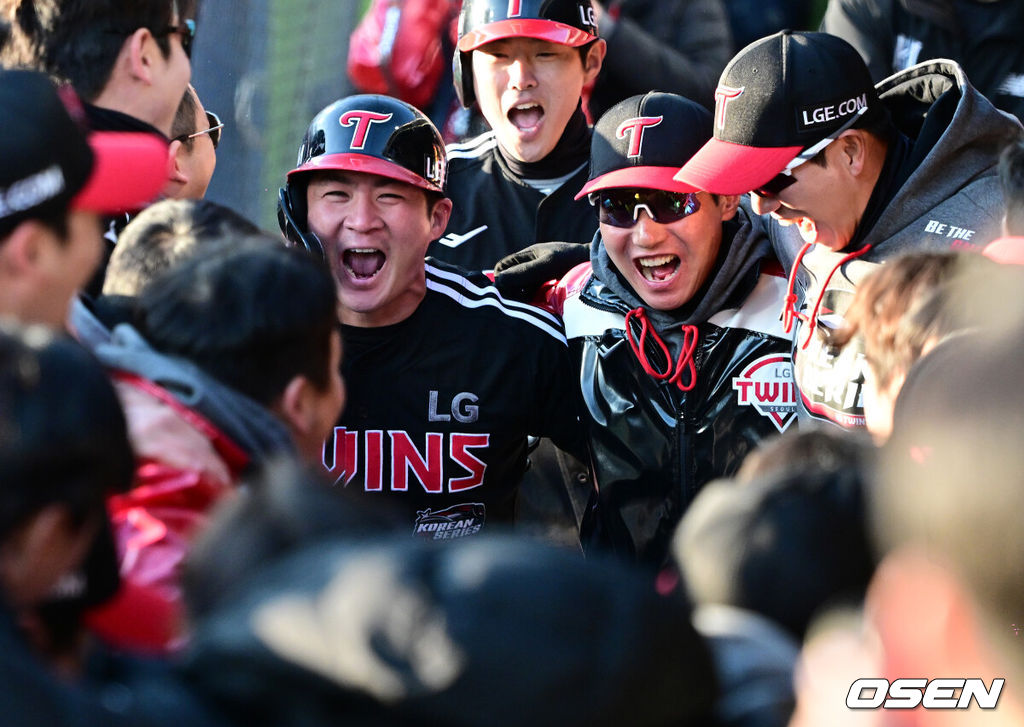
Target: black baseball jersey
[(496, 213), (440, 405)]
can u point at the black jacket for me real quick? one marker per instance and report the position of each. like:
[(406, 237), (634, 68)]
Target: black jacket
[(496, 213), (491, 632), (655, 446), (680, 46), (440, 405), (983, 37)]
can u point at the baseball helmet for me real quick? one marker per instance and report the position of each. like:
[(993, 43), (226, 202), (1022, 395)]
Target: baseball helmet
[(568, 22), (366, 133)]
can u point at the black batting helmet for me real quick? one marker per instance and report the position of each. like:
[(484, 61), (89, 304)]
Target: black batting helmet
[(370, 134), (567, 22)]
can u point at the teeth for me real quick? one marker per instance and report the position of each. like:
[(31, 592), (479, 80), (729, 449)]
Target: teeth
[(363, 250), (653, 262), (526, 106)]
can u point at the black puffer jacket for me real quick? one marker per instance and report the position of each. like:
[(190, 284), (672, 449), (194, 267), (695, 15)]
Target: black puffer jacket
[(655, 445)]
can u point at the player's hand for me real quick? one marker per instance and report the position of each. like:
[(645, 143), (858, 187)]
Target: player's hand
[(520, 275)]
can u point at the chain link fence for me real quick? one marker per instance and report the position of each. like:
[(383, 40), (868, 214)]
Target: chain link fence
[(266, 67)]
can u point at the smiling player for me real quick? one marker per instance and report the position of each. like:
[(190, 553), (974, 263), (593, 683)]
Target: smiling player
[(673, 325)]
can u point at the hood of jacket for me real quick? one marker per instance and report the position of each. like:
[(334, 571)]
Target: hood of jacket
[(744, 246), (250, 425), (957, 136)]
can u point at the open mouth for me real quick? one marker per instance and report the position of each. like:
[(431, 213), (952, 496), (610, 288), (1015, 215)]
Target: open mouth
[(526, 116), (657, 268), (363, 263)]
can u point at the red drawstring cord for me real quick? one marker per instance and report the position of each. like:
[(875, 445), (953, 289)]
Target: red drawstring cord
[(685, 361), (789, 311), (813, 320)]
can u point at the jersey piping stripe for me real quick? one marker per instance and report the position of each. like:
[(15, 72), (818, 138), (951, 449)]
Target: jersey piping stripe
[(471, 296), (471, 151), (491, 290), (484, 138)]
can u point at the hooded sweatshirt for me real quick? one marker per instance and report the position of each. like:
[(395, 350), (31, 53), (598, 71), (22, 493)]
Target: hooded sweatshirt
[(655, 444), (193, 438), (939, 191)]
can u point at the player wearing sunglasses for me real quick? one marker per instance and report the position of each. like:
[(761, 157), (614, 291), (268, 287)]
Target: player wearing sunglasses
[(848, 174), (673, 325), (193, 150)]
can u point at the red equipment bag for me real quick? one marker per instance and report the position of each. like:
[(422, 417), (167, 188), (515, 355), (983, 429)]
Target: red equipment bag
[(397, 49)]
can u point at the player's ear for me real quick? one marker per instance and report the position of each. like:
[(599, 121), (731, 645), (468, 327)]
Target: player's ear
[(728, 204), (594, 59), (177, 174), (439, 214)]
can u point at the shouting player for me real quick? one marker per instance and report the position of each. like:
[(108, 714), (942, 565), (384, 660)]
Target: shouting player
[(446, 378)]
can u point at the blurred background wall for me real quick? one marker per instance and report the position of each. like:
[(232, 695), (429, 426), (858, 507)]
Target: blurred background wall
[(266, 67)]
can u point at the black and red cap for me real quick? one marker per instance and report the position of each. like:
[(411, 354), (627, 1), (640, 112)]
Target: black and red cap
[(641, 143), (779, 99), (375, 135), (567, 22), (51, 162)]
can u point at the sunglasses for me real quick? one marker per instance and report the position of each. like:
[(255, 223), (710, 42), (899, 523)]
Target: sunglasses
[(776, 184), (214, 131), (621, 207), (186, 29)]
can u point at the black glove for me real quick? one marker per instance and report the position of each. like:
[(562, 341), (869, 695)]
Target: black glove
[(519, 276)]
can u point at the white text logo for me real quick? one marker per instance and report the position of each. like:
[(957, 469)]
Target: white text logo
[(930, 694)]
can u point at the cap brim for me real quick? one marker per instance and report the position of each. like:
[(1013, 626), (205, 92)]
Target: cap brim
[(525, 28), (722, 167), (129, 171), (366, 165), (639, 177)]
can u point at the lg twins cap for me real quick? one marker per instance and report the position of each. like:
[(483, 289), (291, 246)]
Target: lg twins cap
[(778, 102)]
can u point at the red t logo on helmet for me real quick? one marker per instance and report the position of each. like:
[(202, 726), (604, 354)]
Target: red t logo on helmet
[(513, 8), (635, 128), (361, 120)]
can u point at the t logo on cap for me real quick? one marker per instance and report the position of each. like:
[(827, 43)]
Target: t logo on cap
[(723, 95), (635, 128), (362, 120)]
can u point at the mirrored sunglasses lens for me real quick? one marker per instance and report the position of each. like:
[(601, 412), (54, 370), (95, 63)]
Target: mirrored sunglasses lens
[(619, 209), (615, 210), (672, 206)]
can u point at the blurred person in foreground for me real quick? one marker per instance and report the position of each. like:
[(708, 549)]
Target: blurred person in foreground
[(311, 609), (63, 448), (234, 359), (55, 181)]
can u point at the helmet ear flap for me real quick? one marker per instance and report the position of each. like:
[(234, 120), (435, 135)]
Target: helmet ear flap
[(290, 210), (462, 73)]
